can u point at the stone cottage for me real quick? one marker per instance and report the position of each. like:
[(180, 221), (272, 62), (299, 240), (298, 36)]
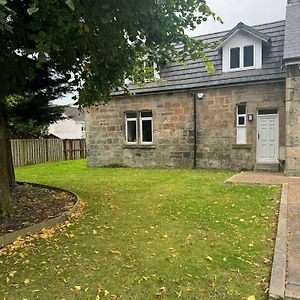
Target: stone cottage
[(244, 116)]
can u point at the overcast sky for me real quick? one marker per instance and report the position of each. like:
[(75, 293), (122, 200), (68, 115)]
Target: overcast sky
[(250, 12)]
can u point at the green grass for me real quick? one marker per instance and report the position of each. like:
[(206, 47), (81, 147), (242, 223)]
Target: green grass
[(148, 234)]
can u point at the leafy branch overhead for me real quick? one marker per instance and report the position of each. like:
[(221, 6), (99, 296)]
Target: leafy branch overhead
[(93, 45)]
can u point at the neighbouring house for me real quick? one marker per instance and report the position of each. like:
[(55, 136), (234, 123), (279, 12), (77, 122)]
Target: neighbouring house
[(72, 127), (244, 116)]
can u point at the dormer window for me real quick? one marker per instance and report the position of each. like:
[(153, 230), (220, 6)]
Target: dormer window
[(248, 56), (242, 48), (241, 57)]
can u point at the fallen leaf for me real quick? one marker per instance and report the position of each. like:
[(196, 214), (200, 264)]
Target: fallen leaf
[(252, 297), (77, 287), (267, 261), (26, 281), (209, 258), (12, 273)]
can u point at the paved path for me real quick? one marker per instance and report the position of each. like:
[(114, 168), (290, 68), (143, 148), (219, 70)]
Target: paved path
[(292, 289)]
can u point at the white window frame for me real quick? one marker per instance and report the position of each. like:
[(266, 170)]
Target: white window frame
[(156, 74), (141, 127), (242, 58), (126, 127), (241, 129)]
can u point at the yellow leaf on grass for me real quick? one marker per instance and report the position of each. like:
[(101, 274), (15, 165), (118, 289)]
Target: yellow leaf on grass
[(209, 258), (77, 287), (94, 231), (97, 297), (252, 297), (106, 293), (12, 273), (26, 281)]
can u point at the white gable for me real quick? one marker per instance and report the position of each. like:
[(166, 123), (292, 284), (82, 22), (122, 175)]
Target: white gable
[(241, 39)]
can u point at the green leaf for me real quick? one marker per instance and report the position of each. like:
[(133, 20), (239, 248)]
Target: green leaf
[(42, 57), (70, 4), (31, 10), (3, 2)]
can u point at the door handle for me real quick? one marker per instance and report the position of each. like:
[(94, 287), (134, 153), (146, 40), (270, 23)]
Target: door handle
[(258, 136)]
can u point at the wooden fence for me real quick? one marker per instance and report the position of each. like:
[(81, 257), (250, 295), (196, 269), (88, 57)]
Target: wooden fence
[(35, 151)]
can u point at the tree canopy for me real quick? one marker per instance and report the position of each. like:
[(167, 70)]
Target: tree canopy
[(29, 115), (49, 47), (91, 45)]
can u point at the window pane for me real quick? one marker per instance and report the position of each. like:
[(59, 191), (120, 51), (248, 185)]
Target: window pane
[(241, 135), (131, 115), (147, 131), (146, 114), (241, 121), (241, 109), (248, 56), (234, 58), (131, 131), (271, 111)]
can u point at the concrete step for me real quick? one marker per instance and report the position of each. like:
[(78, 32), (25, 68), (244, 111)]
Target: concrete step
[(263, 167), (292, 292)]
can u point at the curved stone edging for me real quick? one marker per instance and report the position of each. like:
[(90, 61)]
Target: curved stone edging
[(9, 238)]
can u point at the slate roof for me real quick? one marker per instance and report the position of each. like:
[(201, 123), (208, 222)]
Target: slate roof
[(175, 76), (74, 113), (292, 32)]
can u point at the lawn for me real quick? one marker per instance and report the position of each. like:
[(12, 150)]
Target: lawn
[(148, 234)]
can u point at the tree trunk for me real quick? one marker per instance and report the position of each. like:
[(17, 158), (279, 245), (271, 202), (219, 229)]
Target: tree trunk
[(7, 179)]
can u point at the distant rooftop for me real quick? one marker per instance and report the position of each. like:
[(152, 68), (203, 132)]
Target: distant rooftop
[(74, 113)]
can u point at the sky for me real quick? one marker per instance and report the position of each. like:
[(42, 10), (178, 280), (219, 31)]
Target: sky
[(250, 12)]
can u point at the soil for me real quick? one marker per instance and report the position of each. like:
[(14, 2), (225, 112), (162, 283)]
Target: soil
[(34, 204)]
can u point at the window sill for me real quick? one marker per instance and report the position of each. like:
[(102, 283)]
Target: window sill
[(241, 146), (241, 69), (127, 146)]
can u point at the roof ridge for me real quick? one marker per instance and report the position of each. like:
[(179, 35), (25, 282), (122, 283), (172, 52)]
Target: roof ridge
[(226, 31)]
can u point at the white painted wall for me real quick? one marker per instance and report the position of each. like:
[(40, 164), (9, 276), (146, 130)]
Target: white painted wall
[(241, 39), (67, 129)]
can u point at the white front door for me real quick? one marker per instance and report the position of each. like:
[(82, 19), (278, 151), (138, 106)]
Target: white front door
[(267, 138)]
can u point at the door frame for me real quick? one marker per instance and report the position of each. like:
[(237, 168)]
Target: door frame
[(276, 118)]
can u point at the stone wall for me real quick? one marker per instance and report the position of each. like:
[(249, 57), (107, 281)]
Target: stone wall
[(217, 134), (293, 121), (173, 128), (172, 132)]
